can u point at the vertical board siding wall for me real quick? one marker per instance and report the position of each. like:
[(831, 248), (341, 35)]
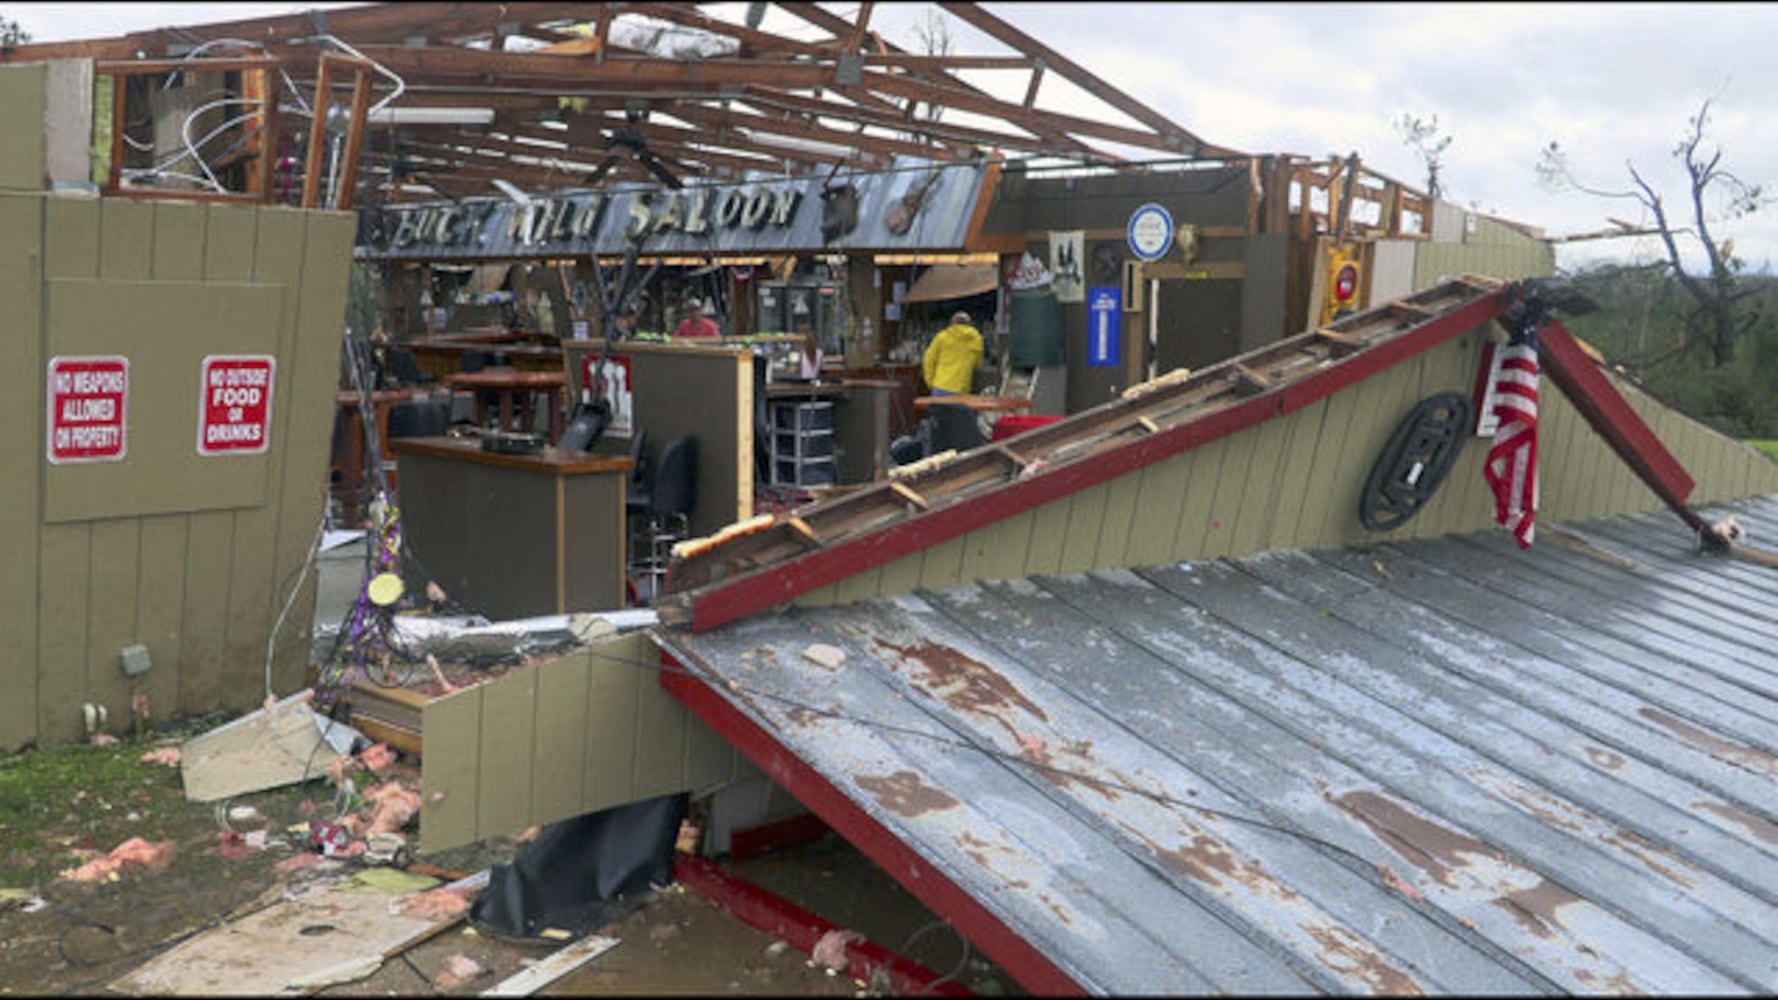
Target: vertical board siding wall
[(1295, 481), (127, 556), (586, 731)]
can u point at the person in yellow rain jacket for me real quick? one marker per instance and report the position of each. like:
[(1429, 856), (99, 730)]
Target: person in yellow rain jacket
[(950, 360)]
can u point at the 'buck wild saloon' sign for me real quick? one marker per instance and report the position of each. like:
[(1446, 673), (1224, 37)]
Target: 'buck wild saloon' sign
[(764, 216)]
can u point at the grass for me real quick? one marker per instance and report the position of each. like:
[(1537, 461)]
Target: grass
[(1769, 447), (56, 801)]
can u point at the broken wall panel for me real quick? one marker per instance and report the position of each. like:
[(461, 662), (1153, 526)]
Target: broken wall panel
[(585, 731)]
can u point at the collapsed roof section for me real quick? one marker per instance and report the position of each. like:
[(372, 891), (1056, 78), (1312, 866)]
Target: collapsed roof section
[(1284, 457), (551, 95)]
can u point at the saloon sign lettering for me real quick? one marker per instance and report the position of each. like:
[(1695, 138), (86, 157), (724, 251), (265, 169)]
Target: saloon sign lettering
[(491, 227)]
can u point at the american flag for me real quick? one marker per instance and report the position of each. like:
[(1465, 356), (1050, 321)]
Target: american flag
[(1512, 462)]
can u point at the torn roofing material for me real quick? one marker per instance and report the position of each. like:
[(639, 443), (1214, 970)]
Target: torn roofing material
[(1436, 766)]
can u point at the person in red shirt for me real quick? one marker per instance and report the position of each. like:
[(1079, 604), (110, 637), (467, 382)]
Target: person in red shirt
[(695, 323)]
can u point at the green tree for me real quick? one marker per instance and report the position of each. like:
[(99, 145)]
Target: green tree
[(1720, 313)]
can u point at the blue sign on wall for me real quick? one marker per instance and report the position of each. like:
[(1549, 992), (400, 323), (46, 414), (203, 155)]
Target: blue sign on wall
[(1105, 326)]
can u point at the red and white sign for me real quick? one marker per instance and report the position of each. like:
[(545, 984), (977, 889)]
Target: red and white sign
[(88, 408), (235, 410)]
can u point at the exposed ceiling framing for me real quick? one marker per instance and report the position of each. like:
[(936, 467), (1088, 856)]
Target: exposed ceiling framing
[(583, 93)]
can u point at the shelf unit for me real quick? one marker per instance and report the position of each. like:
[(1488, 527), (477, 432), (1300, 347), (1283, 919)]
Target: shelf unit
[(802, 443)]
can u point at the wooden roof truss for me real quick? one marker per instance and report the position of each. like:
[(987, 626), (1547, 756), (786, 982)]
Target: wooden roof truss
[(581, 94)]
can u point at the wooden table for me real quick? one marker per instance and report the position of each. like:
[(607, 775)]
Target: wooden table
[(513, 389), (980, 404)]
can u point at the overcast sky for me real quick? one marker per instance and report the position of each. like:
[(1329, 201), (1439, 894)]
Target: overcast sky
[(1610, 82)]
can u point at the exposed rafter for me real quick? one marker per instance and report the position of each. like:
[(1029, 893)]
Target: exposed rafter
[(700, 84)]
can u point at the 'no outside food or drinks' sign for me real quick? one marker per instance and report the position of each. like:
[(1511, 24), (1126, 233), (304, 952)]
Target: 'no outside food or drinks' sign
[(235, 413), (88, 408)]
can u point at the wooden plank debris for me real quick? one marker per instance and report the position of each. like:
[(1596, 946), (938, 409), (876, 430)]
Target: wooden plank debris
[(558, 964)]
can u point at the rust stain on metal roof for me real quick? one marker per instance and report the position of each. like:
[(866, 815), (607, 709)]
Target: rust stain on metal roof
[(1538, 908), (1352, 955), (1616, 985), (1759, 826), (1752, 758), (1604, 758), (1653, 857), (1432, 848), (963, 682), (1536, 801), (903, 792), (1058, 909), (1439, 850), (981, 852)]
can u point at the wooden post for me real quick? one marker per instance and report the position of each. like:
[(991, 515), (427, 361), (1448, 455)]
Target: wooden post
[(317, 132), (355, 129)]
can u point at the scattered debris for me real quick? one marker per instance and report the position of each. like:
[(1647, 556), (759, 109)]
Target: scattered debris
[(458, 969), (777, 948), (102, 740), (134, 851), (385, 849), (825, 656), (830, 951), (165, 756), (243, 814), (377, 758), (22, 899), (390, 882), (446, 901), (269, 747)]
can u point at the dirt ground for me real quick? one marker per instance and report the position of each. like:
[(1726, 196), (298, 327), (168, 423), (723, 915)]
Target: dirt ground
[(61, 807)]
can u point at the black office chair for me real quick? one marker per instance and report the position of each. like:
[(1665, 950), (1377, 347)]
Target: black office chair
[(637, 501), (664, 512), (956, 427)]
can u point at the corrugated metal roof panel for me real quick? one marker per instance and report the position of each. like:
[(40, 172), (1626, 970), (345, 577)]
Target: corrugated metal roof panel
[(1440, 766)]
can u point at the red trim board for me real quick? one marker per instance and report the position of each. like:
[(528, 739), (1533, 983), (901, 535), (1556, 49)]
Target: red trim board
[(1019, 957), (1579, 378), (803, 929)]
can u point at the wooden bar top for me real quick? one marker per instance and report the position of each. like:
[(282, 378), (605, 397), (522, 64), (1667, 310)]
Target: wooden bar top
[(551, 460), (980, 404)]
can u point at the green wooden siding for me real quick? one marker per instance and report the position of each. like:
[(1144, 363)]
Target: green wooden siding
[(189, 556), (583, 732)]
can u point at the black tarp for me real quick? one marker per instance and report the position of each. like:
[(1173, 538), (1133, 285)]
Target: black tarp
[(582, 873)]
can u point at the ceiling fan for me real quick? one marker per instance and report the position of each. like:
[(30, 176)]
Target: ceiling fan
[(629, 140)]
